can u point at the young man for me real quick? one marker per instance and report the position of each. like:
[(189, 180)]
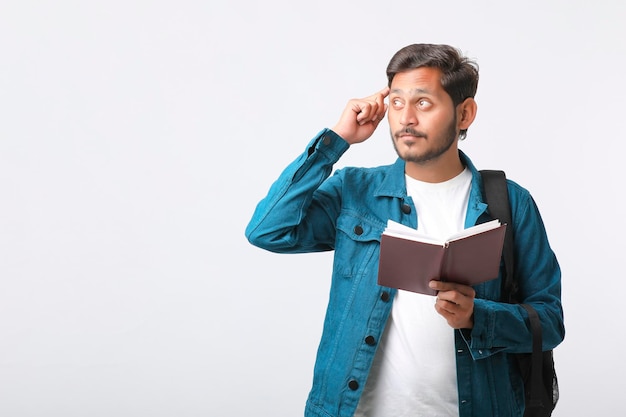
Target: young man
[(388, 352)]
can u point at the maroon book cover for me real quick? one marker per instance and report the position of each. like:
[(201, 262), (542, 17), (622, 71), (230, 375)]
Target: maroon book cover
[(410, 265)]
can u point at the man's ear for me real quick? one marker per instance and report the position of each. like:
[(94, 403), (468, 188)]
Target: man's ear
[(466, 113)]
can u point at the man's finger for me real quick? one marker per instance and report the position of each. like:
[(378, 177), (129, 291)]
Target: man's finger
[(466, 290)]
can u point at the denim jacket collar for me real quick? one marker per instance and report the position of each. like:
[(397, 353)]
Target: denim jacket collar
[(394, 185)]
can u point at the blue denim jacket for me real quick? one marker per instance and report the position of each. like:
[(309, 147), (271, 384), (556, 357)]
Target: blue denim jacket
[(307, 209)]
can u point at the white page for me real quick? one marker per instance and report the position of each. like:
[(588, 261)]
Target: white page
[(396, 229)]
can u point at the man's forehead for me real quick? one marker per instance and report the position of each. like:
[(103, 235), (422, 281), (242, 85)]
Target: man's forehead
[(411, 91), (423, 80)]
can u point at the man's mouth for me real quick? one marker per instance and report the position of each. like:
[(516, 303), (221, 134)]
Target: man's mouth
[(408, 133)]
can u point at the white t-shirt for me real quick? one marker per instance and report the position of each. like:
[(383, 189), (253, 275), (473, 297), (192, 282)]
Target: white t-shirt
[(414, 370)]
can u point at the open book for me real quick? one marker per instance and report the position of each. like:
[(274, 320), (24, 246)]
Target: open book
[(409, 260)]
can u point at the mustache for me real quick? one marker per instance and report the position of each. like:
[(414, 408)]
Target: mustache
[(410, 131)]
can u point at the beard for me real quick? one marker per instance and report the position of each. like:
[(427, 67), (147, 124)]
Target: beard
[(442, 143)]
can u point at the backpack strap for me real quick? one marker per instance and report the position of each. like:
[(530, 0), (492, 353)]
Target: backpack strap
[(536, 398), (496, 195)]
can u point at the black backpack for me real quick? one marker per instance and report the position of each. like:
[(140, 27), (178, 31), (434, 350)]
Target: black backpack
[(537, 368)]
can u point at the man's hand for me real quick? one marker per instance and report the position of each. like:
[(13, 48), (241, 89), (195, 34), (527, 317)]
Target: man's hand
[(361, 117), (455, 302)]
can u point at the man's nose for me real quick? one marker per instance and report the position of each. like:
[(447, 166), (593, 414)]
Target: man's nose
[(408, 117)]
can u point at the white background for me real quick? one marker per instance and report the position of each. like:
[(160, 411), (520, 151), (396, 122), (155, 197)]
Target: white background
[(136, 138)]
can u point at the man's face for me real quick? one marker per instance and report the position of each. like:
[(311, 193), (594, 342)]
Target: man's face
[(421, 115)]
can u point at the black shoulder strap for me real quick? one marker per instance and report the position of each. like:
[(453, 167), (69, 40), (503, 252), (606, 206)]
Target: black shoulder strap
[(537, 396), (497, 197)]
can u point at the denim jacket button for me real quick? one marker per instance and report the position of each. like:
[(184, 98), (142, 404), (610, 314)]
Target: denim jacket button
[(358, 230), (326, 140), (370, 340), (353, 385), (384, 296), (406, 209)]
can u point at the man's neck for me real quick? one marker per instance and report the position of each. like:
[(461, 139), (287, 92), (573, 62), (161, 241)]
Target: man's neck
[(441, 169)]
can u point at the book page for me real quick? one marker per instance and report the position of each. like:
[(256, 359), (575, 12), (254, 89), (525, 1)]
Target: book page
[(405, 232), (479, 228), (399, 230)]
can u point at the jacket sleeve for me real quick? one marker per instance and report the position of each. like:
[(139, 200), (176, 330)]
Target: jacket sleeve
[(299, 214), (501, 326)]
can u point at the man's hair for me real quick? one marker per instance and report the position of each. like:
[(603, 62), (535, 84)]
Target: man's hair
[(459, 74)]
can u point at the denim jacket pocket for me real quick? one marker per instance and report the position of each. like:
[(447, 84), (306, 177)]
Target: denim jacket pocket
[(357, 237)]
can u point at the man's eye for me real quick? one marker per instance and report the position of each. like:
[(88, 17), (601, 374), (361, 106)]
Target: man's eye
[(396, 103), (423, 104)]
